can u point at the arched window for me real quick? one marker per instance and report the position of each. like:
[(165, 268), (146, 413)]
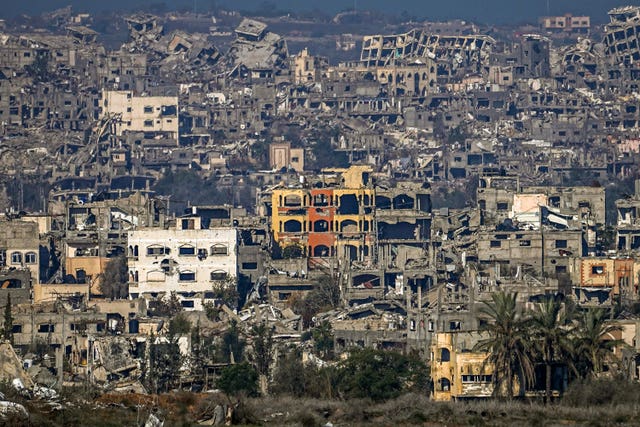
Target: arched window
[(444, 384), (186, 250), (219, 249), (155, 276), (31, 258), (187, 276), (321, 251), (157, 250), (218, 275), (292, 226), (16, 258), (320, 226)]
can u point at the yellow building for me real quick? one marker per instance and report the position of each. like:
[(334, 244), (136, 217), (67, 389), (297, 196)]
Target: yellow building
[(43, 292), (458, 372), (335, 219)]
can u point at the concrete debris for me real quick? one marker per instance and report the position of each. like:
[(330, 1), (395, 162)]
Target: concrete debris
[(165, 197), (153, 421), (12, 409)]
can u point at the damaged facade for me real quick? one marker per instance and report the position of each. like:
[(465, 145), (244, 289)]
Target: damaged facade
[(360, 174)]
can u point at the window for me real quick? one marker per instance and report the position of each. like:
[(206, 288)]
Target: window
[(597, 269), (444, 384), (445, 355), (218, 275), (561, 243), (187, 250), (16, 329), (502, 206), (157, 250), (81, 276), (476, 378), (219, 250), (16, 258), (31, 258), (148, 109), (46, 327), (495, 244), (249, 265), (187, 276), (525, 242), (187, 303), (148, 123)]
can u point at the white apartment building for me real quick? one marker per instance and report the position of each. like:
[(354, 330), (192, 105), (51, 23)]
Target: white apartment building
[(186, 259), (157, 114)]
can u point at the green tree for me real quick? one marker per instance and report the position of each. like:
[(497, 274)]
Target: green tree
[(551, 335), (114, 281), (240, 379), (377, 374), (508, 344), (323, 339), (178, 325), (231, 347), (164, 365), (168, 307), (291, 376), (263, 348), (7, 328), (292, 251), (226, 290), (594, 341), (197, 353), (324, 296)]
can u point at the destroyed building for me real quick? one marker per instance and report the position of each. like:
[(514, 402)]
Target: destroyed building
[(377, 235), (621, 34), (19, 259)]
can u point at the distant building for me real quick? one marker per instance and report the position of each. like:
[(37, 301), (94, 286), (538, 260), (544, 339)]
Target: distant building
[(457, 371), (567, 23), (281, 155), (345, 42), (186, 259), (149, 114)]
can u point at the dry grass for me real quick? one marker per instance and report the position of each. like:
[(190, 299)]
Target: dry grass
[(411, 409), (186, 409)]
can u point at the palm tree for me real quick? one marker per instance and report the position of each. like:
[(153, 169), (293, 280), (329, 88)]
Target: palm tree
[(551, 337), (508, 343), (594, 341)]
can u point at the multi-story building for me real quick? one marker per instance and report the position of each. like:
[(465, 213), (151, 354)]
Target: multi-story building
[(567, 22), (457, 371), (327, 220), (376, 234), (149, 114), (96, 231), (186, 259), (19, 259)]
